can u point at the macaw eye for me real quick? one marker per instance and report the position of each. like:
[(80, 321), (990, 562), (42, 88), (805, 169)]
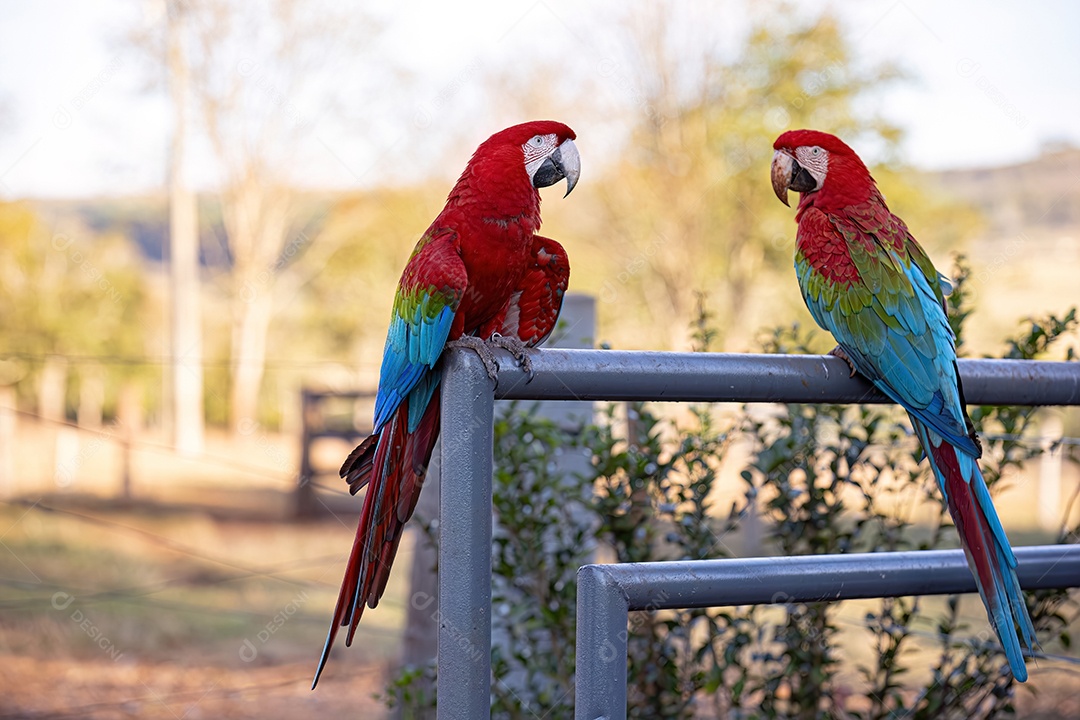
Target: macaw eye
[(815, 151), (537, 141)]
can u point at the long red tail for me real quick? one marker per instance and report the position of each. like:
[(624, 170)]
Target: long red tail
[(989, 555), (392, 463)]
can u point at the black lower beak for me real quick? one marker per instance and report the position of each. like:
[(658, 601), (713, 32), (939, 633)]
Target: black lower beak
[(550, 171), (801, 180)]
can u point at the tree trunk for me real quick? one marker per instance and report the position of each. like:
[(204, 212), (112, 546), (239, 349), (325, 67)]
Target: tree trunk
[(91, 396), (251, 328), (52, 387), (186, 367), (256, 214), (129, 418)]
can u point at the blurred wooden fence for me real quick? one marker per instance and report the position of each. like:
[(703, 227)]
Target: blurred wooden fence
[(322, 416)]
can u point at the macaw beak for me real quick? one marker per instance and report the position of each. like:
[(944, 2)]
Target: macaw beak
[(563, 163), (788, 174), (781, 174)]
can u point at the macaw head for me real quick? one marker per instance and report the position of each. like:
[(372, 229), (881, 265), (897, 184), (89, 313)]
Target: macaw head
[(542, 152), (821, 167)]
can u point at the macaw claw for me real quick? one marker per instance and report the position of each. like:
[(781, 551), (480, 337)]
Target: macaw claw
[(482, 349), (518, 349), (509, 343), (839, 352)]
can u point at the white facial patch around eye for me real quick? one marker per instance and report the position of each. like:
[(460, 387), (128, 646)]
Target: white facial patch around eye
[(537, 149), (814, 159)]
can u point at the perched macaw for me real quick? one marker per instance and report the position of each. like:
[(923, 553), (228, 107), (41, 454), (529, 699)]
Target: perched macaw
[(480, 274), (868, 282)]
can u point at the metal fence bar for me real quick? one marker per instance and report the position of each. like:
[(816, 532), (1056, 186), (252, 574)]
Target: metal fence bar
[(728, 377), (464, 663), (600, 669), (606, 594), (467, 415)]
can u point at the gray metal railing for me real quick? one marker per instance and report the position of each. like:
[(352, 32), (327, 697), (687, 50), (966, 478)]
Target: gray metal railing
[(607, 594), (464, 663)]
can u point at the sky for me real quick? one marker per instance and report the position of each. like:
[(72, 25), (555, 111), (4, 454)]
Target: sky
[(83, 115)]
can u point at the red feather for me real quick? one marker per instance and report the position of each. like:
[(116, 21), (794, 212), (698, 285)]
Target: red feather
[(825, 249), (488, 226), (528, 315), (986, 556), (975, 533), (849, 182)]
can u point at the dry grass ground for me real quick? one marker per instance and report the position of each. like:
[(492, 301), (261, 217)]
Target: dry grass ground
[(150, 612)]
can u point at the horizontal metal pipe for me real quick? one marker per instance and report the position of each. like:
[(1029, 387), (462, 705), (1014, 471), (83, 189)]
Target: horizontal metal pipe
[(813, 578), (606, 593), (729, 377)]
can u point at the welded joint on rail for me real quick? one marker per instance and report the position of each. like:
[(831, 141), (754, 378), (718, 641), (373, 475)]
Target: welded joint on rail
[(605, 579)]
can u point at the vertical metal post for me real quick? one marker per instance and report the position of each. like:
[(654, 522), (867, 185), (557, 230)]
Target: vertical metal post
[(602, 617), (464, 671)]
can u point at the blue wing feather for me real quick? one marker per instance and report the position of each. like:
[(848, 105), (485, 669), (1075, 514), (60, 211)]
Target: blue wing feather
[(424, 310), (914, 366), (412, 348)]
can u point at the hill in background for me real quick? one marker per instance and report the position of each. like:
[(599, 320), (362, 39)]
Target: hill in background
[(1040, 197)]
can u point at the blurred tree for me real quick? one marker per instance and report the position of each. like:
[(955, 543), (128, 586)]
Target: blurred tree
[(681, 204), (186, 307), (690, 206), (373, 233), (66, 297), (249, 69), (252, 67)]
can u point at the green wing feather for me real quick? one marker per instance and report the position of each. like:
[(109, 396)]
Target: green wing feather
[(425, 306), (890, 319)]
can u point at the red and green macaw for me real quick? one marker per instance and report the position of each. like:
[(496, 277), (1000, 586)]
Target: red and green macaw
[(868, 282), (479, 274)]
